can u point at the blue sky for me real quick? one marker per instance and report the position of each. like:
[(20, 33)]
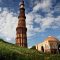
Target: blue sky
[(42, 19)]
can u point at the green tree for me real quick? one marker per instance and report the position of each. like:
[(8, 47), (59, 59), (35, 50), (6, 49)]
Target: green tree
[(33, 47)]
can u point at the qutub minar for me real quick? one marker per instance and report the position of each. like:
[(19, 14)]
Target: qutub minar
[(21, 30)]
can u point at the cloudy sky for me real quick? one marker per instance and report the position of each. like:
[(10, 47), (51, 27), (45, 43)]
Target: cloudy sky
[(42, 19)]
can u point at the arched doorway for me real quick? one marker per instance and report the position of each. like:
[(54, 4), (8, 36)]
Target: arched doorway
[(42, 48), (59, 48)]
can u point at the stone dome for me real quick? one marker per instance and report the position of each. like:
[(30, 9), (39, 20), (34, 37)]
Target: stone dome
[(51, 38)]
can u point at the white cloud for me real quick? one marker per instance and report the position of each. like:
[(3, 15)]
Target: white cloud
[(29, 18), (0, 9), (44, 5), (8, 23), (49, 22), (57, 8), (44, 22)]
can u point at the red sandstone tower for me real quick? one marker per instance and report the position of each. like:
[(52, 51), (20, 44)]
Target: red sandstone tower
[(21, 36)]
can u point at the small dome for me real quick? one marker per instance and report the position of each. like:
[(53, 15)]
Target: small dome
[(51, 38)]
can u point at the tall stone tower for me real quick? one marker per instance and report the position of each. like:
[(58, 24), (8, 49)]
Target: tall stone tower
[(21, 36)]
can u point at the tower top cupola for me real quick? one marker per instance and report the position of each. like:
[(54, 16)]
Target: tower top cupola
[(22, 4)]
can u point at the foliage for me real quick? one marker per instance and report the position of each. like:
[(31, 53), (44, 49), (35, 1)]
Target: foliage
[(33, 47)]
